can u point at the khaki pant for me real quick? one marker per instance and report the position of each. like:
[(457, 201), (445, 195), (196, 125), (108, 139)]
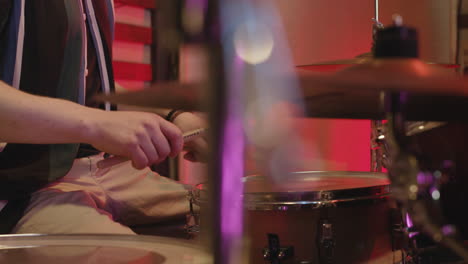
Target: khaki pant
[(92, 200)]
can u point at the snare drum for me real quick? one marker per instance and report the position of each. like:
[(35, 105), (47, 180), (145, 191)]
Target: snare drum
[(115, 249), (318, 217)]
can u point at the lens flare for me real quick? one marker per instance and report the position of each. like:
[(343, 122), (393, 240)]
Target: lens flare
[(253, 42)]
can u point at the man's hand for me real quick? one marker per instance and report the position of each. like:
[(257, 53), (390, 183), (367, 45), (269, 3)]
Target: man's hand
[(145, 138), (197, 150)]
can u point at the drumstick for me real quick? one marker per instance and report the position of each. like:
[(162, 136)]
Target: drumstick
[(114, 160)]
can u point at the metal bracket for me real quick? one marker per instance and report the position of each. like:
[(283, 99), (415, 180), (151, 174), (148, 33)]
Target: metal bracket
[(398, 230), (275, 253), (192, 226), (326, 241)]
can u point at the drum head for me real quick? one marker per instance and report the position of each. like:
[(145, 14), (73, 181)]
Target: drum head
[(77, 249), (306, 189), (311, 181), (314, 189)]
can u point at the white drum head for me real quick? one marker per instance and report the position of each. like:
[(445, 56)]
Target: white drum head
[(313, 181)]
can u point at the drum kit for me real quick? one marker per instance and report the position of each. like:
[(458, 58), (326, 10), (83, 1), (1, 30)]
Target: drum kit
[(415, 213)]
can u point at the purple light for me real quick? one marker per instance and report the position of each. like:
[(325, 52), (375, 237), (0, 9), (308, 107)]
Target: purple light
[(424, 178), (232, 153), (232, 169), (409, 223), (448, 230), (413, 234)]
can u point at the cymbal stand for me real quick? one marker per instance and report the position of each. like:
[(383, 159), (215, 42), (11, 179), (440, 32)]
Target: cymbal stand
[(377, 135), (377, 24), (403, 173), (376, 9)]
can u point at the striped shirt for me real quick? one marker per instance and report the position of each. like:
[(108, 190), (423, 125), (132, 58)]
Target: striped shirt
[(46, 47)]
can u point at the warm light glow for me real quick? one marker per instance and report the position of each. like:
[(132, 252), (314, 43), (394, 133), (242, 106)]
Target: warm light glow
[(253, 42), (413, 188)]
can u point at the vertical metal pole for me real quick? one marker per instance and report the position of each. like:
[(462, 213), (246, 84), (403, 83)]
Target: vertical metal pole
[(376, 10)]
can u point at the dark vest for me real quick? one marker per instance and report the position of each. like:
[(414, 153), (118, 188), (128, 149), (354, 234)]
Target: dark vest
[(52, 65)]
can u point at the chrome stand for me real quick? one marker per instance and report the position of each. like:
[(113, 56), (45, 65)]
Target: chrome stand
[(403, 173)]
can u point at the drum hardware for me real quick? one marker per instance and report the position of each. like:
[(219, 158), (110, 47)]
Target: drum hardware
[(192, 226), (412, 187), (326, 196), (377, 145), (404, 174), (274, 253), (326, 241), (422, 249), (399, 233)]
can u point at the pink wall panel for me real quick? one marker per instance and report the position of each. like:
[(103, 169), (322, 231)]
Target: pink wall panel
[(133, 15), (132, 52), (323, 30), (132, 85)]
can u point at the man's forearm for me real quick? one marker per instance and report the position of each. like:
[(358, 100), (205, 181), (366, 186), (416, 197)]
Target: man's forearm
[(26, 118)]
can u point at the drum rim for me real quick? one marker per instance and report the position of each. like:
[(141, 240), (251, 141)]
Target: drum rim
[(288, 200), (315, 199), (18, 240)]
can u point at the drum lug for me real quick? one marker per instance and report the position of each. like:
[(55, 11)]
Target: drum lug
[(192, 226), (326, 241), (326, 196), (275, 253)]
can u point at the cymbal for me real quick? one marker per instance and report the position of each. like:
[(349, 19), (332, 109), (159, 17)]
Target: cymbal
[(335, 65), (433, 93), (172, 95)]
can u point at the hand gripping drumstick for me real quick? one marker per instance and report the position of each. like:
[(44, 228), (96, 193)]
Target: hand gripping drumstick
[(189, 136)]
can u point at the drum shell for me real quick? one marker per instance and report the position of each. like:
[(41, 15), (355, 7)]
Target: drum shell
[(361, 231)]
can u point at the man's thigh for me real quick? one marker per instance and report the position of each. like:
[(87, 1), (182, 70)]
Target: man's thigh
[(52, 212), (142, 196)]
